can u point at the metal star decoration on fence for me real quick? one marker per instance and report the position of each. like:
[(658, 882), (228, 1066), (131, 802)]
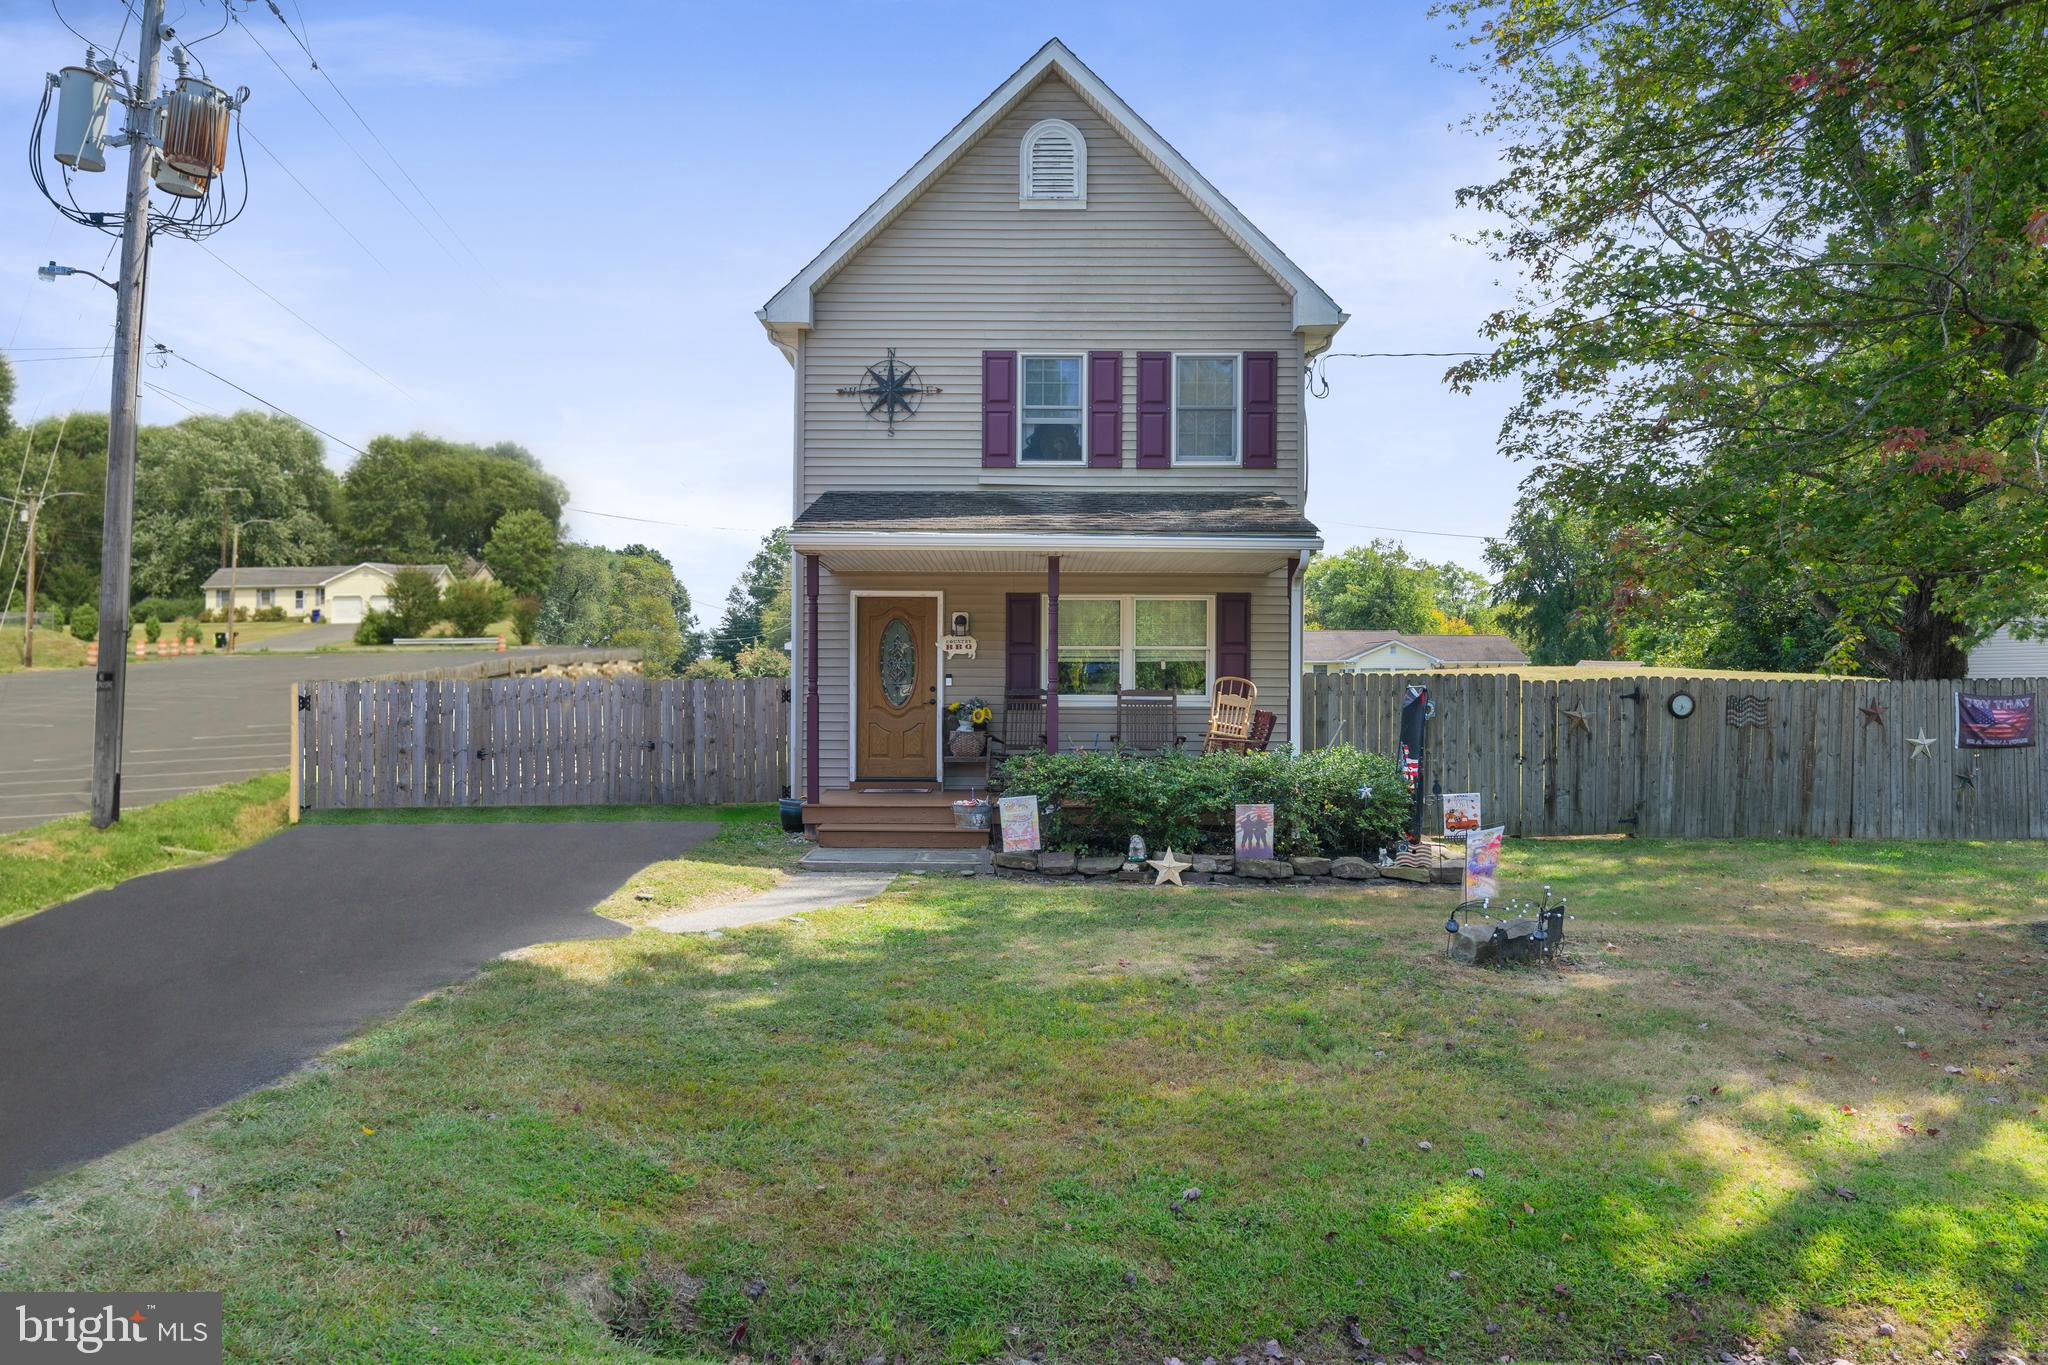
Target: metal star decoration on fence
[(1923, 743), (1579, 718), (1873, 714), (1168, 867)]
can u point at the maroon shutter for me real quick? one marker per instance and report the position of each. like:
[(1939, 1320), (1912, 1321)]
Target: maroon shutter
[(998, 409), (1261, 409), (1105, 409), (1233, 635), (1155, 409), (1020, 642)]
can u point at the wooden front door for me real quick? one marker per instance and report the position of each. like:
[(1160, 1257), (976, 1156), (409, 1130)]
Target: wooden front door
[(896, 668)]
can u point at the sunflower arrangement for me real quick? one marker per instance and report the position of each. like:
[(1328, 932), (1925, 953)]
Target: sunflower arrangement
[(971, 714)]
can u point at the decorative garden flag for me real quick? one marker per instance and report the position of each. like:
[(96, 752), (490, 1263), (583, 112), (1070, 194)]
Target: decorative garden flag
[(1461, 812), (1255, 830), (1482, 863), (1994, 722), (1020, 824)]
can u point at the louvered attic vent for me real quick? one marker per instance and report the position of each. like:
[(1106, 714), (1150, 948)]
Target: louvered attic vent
[(1053, 166)]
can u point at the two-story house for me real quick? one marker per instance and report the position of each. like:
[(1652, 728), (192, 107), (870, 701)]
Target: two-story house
[(1048, 409)]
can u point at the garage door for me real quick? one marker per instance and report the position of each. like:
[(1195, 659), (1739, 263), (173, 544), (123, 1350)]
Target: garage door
[(345, 610)]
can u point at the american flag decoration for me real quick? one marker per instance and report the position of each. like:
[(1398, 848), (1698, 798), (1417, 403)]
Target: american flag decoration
[(1411, 771), (1994, 722)]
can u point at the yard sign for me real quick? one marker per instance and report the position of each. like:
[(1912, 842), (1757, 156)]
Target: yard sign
[(1020, 824), (1482, 863), (1255, 830), (1461, 813)]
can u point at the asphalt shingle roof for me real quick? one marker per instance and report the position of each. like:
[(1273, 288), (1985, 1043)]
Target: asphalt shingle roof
[(1335, 646), (299, 575), (1056, 513)]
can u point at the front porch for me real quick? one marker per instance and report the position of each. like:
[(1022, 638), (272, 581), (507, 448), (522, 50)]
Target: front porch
[(896, 622)]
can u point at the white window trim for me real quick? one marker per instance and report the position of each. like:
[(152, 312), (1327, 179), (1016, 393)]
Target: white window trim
[(1236, 460), (1082, 426), (1127, 647), (1025, 198)]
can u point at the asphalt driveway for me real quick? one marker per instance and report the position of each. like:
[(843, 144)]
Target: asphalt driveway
[(132, 1009)]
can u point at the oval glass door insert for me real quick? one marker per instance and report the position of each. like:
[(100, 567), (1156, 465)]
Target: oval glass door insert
[(898, 662)]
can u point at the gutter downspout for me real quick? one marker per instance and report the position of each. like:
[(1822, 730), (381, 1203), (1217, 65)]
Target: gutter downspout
[(1052, 654), (1294, 654)]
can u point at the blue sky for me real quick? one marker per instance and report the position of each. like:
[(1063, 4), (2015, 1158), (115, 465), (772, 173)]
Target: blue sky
[(624, 184)]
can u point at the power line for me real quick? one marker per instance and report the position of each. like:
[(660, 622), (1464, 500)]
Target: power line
[(300, 316), (161, 349), (656, 521), (1411, 531), (265, 149)]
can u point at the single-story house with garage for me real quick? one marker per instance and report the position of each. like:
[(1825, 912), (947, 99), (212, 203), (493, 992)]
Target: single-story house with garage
[(341, 593), (1373, 651)]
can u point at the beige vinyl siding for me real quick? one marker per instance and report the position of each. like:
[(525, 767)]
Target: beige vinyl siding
[(982, 597), (964, 269)]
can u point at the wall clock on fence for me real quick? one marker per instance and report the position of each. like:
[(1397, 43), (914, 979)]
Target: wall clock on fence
[(1680, 705), (890, 390)]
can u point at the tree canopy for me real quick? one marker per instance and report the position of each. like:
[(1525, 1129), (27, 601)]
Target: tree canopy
[(420, 497), (1382, 587), (6, 396), (627, 597), (1783, 285), (757, 607), (521, 551)]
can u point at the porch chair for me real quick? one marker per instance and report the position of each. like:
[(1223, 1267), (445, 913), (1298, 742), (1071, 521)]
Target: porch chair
[(1147, 720), (1262, 732), (1022, 732), (1230, 715)]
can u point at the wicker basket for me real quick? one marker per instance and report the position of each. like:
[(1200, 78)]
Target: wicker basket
[(967, 743)]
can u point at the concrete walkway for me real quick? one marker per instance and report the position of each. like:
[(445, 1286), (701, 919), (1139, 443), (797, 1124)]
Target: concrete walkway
[(800, 894), (132, 1009)]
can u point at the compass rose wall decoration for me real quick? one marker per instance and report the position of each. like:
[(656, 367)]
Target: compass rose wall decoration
[(890, 390)]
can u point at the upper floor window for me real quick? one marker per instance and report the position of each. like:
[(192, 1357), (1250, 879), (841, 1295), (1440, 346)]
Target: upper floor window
[(1205, 399), (1052, 165), (1049, 418)]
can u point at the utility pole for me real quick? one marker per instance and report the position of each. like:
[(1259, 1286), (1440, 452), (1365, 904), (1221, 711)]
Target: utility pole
[(234, 570), (31, 508), (118, 523)]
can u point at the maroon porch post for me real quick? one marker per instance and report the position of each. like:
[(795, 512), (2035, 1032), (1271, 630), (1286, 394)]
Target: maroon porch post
[(811, 679), (1052, 654)]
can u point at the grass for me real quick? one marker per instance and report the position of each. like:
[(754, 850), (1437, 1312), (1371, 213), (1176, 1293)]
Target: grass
[(54, 649), (51, 863), (1787, 1092)]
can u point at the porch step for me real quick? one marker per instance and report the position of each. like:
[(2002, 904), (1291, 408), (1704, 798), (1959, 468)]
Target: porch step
[(903, 815), (872, 831)]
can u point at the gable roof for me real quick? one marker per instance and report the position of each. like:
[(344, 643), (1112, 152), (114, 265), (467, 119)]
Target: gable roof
[(1341, 646), (305, 576), (1044, 512), (1316, 314)]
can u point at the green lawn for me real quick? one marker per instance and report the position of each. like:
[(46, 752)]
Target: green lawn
[(1787, 1092), (50, 863)]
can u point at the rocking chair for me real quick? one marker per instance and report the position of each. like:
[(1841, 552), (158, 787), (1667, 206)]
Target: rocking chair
[(1230, 715), (1022, 732), (1147, 721)]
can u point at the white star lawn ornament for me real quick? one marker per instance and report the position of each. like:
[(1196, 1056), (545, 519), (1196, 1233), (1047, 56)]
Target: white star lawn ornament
[(1168, 867), (1922, 744)]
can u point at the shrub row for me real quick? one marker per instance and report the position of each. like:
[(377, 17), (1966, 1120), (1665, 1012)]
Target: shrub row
[(1095, 801)]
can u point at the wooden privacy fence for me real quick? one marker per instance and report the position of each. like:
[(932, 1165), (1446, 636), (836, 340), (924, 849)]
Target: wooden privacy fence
[(1825, 758), (539, 742)]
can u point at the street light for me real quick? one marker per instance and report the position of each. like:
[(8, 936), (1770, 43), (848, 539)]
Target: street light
[(48, 275), (234, 565)]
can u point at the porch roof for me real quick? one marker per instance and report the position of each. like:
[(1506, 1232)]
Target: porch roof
[(992, 531)]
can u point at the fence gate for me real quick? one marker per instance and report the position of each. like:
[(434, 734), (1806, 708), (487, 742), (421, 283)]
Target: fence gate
[(535, 741), (1806, 757)]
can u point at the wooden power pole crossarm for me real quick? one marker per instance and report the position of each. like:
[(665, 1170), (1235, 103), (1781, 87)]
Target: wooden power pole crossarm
[(118, 520)]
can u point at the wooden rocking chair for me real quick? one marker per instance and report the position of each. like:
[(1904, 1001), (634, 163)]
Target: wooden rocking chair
[(1147, 720), (1022, 732), (1230, 715)]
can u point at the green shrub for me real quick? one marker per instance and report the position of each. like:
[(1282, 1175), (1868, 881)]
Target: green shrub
[(188, 629), (472, 606), (166, 608), (270, 613), (85, 622), (1097, 800), (525, 618), (152, 628), (377, 628), (711, 667), (415, 601)]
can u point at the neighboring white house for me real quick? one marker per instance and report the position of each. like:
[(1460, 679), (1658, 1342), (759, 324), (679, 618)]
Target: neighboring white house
[(339, 592), (2005, 655), (1373, 651)]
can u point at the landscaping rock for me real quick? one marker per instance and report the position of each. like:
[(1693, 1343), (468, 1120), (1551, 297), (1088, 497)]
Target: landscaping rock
[(1353, 869), (1310, 867), (1018, 862), (1053, 864), (1134, 874), (1195, 879), (1264, 869), (1099, 864), (1222, 864), (1406, 874)]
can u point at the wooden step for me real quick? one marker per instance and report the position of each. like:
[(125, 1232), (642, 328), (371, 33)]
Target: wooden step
[(919, 817), (884, 797), (897, 834)]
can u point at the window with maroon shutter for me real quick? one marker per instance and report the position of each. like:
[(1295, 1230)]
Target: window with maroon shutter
[(998, 409), (1261, 409), (1155, 409), (1105, 409), (1233, 635), (1020, 642)]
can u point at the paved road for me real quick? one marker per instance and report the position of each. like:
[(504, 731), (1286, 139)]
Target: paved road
[(132, 1009), (192, 723)]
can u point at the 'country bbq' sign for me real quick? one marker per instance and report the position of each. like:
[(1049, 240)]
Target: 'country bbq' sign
[(1994, 722)]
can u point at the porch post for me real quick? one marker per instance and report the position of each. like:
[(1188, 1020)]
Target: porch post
[(811, 679), (1052, 654), (1294, 654)]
